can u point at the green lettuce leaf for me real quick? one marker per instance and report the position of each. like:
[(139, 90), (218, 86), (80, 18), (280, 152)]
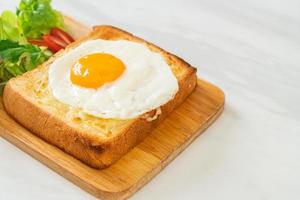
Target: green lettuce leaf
[(16, 59), (37, 17), (10, 29)]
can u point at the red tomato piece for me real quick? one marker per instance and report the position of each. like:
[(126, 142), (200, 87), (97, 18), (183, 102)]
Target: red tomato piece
[(53, 43), (64, 36)]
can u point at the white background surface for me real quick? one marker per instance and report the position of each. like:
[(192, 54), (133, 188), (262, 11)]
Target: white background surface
[(251, 49)]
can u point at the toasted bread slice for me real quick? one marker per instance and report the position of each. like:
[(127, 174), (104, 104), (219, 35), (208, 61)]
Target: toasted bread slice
[(95, 141)]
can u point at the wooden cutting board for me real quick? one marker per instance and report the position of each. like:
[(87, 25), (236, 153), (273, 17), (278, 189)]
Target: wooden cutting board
[(143, 162)]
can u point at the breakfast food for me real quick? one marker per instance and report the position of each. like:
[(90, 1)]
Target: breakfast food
[(112, 79), (98, 120)]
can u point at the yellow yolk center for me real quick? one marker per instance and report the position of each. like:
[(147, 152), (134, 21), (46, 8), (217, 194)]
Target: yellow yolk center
[(94, 70)]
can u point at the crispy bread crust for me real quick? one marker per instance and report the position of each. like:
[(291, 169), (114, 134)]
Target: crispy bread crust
[(94, 150)]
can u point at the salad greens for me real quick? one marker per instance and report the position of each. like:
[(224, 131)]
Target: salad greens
[(37, 17), (32, 20), (16, 59), (10, 29)]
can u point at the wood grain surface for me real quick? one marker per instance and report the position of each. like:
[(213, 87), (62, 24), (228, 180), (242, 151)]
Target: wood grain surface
[(142, 163)]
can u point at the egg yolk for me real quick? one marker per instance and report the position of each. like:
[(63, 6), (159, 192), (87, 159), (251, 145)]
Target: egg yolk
[(94, 70)]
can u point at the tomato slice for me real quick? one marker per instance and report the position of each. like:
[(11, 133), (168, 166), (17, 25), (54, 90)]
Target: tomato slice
[(53, 43), (57, 39), (64, 36), (37, 42)]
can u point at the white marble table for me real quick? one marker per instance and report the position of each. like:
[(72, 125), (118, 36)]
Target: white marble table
[(251, 49)]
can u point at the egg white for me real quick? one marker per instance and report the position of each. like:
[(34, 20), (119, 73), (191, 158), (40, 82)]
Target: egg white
[(146, 84)]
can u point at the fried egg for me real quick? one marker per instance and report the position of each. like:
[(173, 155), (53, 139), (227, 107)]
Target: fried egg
[(112, 79)]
